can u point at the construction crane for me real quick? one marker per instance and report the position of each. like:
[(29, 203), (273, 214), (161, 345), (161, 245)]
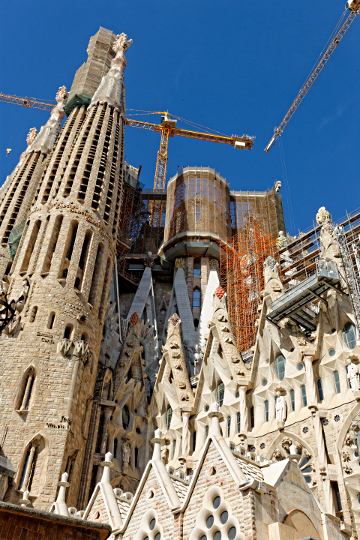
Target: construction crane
[(167, 129), (354, 7)]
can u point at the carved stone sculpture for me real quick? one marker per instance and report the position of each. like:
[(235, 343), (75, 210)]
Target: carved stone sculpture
[(281, 408), (64, 346), (273, 285), (111, 89), (45, 140), (81, 349), (125, 454), (353, 375), (286, 443)]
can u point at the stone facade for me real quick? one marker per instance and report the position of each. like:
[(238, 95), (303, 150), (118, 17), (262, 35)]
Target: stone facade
[(133, 405)]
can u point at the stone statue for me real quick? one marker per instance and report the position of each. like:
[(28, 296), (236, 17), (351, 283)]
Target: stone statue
[(273, 285), (281, 408), (328, 243), (125, 454), (281, 241), (353, 375)]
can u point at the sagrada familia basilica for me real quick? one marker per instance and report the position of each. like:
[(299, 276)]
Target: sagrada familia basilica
[(130, 407)]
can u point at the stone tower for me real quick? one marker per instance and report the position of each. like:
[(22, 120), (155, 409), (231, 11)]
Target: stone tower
[(62, 270), (17, 193)]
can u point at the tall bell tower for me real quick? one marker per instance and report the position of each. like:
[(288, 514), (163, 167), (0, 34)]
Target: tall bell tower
[(49, 353)]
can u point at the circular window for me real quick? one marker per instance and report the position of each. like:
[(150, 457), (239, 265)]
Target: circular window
[(224, 517), (337, 418), (264, 382), (206, 408), (157, 536), (332, 352), (203, 537), (217, 535), (146, 538), (216, 502), (356, 454), (152, 524), (280, 367), (333, 330), (237, 394), (292, 349), (262, 446), (300, 366), (349, 335), (138, 431), (307, 479), (210, 522), (232, 533), (305, 429), (150, 494), (268, 362)]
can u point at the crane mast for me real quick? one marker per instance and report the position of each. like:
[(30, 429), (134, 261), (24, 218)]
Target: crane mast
[(354, 6)]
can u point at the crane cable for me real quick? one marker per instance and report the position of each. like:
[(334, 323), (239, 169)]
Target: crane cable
[(287, 188)]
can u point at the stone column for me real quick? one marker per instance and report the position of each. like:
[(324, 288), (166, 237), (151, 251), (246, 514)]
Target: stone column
[(28, 383), (28, 467), (310, 381), (243, 411), (322, 460), (185, 433)]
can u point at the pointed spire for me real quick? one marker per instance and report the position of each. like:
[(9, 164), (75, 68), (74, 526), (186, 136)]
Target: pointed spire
[(45, 140), (111, 89), (60, 506), (107, 465)]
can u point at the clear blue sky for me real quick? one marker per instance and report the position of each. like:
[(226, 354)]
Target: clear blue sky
[(234, 66)]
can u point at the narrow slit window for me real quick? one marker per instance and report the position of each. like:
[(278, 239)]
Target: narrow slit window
[(303, 396), (292, 400), (337, 382), (96, 274), (266, 411), (196, 299), (320, 389), (238, 422), (252, 418), (228, 425)]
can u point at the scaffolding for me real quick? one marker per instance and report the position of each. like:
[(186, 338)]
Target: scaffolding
[(241, 265)]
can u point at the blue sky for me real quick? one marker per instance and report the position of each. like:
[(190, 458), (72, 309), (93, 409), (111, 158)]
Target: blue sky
[(234, 66)]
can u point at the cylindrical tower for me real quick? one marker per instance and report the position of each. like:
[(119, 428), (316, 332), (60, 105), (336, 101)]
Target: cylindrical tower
[(17, 193), (63, 269)]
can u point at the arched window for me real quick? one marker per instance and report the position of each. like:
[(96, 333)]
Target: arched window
[(206, 431), (168, 417), (30, 476), (26, 389), (320, 389), (173, 448), (51, 320), (337, 382), (266, 411), (280, 367), (292, 400), (68, 331), (228, 425), (303, 396), (125, 417), (196, 299), (349, 335), (220, 394)]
